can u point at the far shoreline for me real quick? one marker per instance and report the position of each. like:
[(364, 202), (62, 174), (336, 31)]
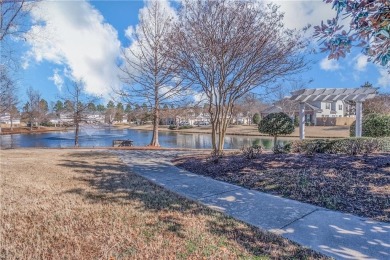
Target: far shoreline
[(235, 130), (35, 130)]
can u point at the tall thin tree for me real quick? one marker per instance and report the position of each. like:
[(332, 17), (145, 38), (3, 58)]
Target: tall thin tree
[(149, 74), (31, 108), (8, 94), (77, 102)]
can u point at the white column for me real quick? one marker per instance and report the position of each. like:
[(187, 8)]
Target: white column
[(358, 129), (301, 121)]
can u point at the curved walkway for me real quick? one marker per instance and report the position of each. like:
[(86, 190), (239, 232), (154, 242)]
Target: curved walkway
[(336, 234)]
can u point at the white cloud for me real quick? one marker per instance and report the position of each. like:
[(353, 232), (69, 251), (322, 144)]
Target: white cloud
[(57, 79), (298, 14), (74, 35), (361, 62), (129, 33), (329, 65), (384, 79)]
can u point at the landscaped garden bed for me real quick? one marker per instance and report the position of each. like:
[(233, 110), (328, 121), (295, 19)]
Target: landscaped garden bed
[(355, 184)]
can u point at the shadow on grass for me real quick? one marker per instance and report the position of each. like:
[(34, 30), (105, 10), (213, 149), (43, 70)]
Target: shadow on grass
[(115, 183)]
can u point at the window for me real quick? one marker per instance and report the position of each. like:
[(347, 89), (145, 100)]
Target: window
[(340, 107), (327, 105)]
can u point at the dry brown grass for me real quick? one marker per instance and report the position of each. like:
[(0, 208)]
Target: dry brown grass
[(68, 204), (26, 130)]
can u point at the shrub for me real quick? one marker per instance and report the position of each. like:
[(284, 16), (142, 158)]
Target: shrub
[(350, 146), (48, 124), (286, 148), (185, 127), (385, 144), (252, 152), (276, 124), (373, 125), (256, 118), (296, 121), (172, 127)]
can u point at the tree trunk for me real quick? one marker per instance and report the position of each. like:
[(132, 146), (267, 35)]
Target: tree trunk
[(275, 140), (12, 125), (177, 123), (156, 120), (213, 134), (76, 135)]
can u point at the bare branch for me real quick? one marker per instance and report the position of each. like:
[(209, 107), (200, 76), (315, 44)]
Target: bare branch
[(228, 48)]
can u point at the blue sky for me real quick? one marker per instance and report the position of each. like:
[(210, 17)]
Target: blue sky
[(81, 39)]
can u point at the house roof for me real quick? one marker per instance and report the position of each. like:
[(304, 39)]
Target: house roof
[(312, 107), (333, 94), (272, 109), (294, 107)]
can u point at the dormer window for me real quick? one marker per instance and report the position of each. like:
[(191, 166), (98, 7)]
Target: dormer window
[(327, 105)]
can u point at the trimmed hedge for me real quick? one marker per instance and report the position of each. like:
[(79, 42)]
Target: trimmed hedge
[(350, 146), (276, 124), (373, 125), (186, 127), (256, 118)]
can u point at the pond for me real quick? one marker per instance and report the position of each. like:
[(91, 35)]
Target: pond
[(103, 137)]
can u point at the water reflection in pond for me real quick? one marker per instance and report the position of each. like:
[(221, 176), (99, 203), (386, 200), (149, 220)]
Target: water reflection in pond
[(98, 137)]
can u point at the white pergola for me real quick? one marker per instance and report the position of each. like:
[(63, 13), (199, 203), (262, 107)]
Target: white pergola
[(359, 95)]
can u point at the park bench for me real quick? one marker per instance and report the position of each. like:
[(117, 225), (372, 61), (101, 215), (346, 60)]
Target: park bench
[(122, 143)]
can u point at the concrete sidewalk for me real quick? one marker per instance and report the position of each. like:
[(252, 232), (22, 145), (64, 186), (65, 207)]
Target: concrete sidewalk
[(339, 235)]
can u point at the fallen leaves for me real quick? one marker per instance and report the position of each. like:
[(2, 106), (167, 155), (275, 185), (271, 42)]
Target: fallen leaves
[(355, 184)]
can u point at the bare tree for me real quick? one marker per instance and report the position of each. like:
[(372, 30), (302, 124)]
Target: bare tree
[(251, 104), (77, 105), (110, 112), (31, 108), (14, 24), (229, 48), (12, 17), (8, 90), (149, 74), (8, 95), (379, 104), (13, 113)]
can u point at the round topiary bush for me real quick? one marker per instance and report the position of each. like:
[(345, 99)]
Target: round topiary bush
[(373, 125), (256, 118), (276, 124)]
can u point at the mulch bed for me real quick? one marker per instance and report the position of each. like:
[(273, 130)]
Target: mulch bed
[(355, 184)]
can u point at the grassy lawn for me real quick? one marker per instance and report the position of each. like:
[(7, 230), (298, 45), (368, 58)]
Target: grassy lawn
[(355, 184), (69, 204)]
